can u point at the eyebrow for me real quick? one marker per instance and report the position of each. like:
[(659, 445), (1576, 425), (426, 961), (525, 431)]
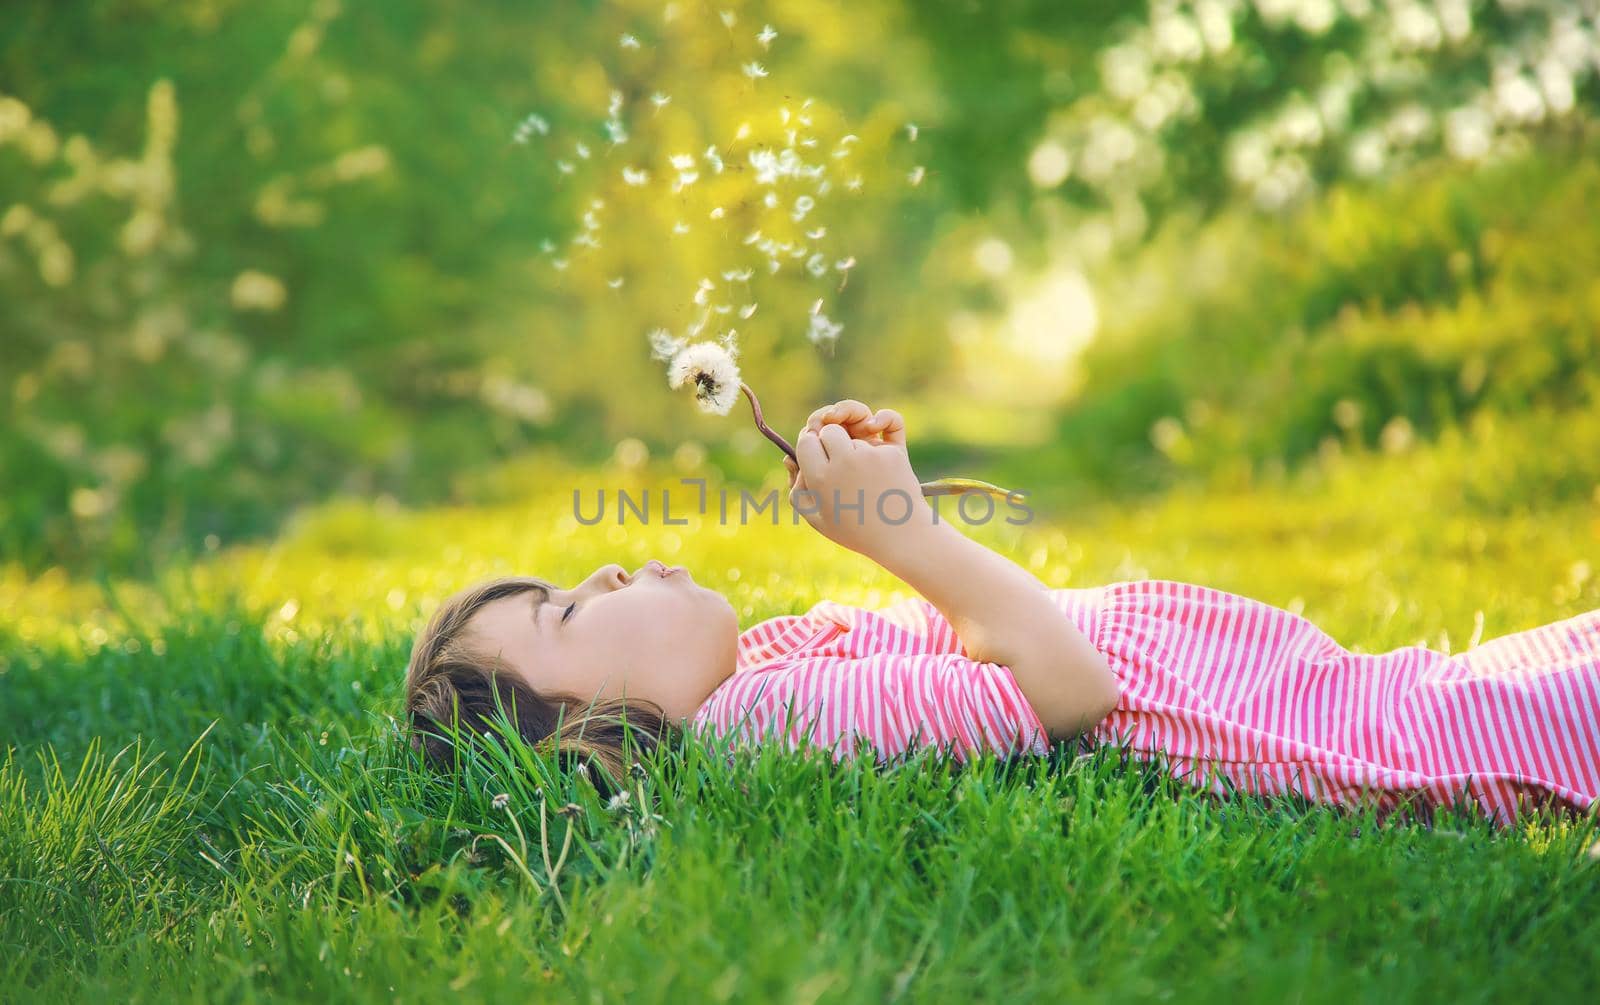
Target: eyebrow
[(541, 596)]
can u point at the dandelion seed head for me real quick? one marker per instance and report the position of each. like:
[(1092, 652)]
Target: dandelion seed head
[(501, 800), (710, 369)]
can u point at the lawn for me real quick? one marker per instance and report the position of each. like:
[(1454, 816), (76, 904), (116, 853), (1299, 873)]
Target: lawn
[(206, 797)]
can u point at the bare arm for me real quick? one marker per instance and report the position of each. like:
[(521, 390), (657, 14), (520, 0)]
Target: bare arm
[(1001, 612)]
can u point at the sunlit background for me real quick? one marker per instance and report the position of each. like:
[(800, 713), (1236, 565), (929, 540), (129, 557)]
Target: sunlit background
[(259, 257)]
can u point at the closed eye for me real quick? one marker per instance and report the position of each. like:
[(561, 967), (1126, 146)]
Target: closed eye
[(568, 612)]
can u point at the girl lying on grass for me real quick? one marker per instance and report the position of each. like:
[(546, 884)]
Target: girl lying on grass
[(1220, 688)]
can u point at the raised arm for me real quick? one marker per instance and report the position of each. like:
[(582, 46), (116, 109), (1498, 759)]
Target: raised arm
[(1001, 612)]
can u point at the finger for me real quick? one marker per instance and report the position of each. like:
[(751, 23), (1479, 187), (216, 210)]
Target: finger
[(809, 449), (845, 411), (835, 440), (891, 424)]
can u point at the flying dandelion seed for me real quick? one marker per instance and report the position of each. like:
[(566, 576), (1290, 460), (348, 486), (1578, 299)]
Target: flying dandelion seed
[(716, 214), (634, 176), (527, 127), (746, 312), (615, 283), (710, 369), (582, 150), (766, 36), (680, 227), (500, 801), (770, 200), (738, 275), (628, 41), (547, 246), (616, 104), (854, 184), (560, 264), (728, 18), (754, 70), (663, 345), (916, 175), (818, 234), (659, 99), (615, 132), (565, 167), (817, 265), (743, 131), (723, 308), (911, 131), (713, 159)]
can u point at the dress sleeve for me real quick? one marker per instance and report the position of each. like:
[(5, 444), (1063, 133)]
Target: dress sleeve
[(887, 704)]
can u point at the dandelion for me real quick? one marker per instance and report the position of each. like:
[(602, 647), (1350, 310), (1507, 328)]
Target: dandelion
[(618, 801), (501, 800), (710, 369), (635, 176), (754, 70), (766, 36), (628, 41), (911, 131), (659, 99)]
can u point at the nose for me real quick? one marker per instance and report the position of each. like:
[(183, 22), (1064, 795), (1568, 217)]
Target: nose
[(612, 576)]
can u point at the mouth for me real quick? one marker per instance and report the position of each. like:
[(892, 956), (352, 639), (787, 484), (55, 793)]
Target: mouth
[(663, 570)]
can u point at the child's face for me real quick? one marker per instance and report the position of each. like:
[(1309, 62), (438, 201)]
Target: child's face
[(655, 635)]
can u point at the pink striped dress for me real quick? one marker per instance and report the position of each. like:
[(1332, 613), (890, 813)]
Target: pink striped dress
[(1222, 689)]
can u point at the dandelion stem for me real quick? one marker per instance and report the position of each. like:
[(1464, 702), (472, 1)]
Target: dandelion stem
[(761, 424), (954, 485)]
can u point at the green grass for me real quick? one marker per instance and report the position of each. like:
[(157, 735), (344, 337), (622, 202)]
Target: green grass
[(267, 835)]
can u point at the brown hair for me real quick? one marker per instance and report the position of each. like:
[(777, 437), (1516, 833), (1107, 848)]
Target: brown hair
[(451, 683)]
